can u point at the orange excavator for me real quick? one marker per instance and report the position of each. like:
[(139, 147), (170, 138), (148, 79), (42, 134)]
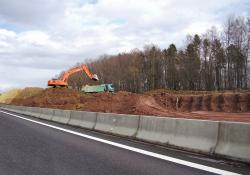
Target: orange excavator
[(62, 82)]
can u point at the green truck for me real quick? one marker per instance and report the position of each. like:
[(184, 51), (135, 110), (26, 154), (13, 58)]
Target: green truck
[(98, 88)]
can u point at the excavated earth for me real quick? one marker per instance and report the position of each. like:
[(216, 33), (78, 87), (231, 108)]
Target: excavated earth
[(230, 106)]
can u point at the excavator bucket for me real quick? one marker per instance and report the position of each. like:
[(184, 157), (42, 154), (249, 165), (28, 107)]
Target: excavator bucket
[(95, 77)]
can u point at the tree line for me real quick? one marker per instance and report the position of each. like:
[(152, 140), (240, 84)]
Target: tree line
[(212, 61)]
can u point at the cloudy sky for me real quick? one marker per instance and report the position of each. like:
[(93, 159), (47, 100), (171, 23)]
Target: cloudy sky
[(40, 38)]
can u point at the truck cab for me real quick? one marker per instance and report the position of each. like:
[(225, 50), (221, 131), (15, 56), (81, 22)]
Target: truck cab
[(109, 88)]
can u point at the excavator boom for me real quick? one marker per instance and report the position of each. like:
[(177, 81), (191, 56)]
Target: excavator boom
[(62, 82)]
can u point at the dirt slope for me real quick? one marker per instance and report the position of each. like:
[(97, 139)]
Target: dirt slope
[(8, 96), (26, 93), (213, 106)]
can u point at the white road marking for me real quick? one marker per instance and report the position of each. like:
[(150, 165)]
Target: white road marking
[(141, 151)]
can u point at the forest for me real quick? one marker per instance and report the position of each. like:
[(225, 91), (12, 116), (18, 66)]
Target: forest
[(216, 60)]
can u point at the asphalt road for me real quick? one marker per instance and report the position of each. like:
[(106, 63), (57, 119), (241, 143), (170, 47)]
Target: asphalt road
[(28, 148)]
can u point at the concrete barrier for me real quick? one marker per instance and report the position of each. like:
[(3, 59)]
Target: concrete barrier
[(83, 119), (27, 110), (197, 135), (35, 112), (61, 116), (13, 108), (20, 109), (226, 139), (156, 129), (7, 107), (32, 111), (4, 106), (234, 141), (47, 113), (120, 124)]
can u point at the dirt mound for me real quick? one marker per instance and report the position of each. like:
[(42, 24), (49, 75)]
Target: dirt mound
[(213, 106), (121, 102), (55, 98), (147, 105)]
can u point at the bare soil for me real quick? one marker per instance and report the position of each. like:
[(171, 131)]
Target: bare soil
[(229, 106)]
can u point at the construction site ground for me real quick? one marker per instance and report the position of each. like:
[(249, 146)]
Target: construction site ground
[(228, 106)]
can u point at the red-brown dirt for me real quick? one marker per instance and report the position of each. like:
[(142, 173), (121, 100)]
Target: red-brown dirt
[(210, 106)]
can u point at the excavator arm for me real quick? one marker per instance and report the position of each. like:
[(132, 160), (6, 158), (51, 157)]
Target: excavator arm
[(83, 68), (63, 80)]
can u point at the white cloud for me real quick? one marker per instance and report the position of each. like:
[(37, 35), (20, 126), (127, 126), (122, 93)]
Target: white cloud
[(40, 38), (31, 12)]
